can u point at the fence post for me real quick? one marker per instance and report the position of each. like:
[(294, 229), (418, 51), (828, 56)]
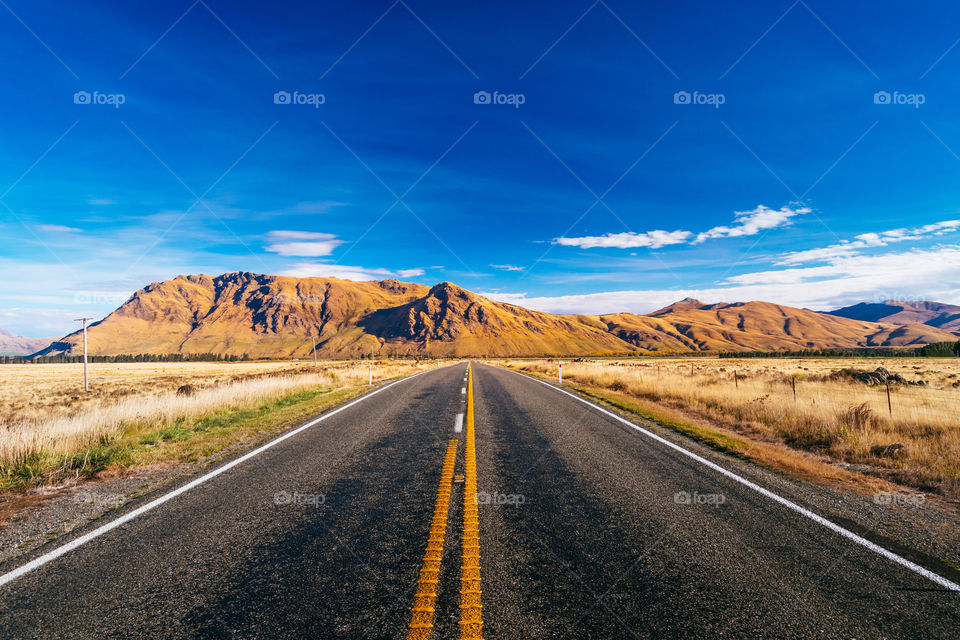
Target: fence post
[(736, 379), (793, 383)]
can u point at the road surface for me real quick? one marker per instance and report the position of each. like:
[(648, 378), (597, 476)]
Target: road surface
[(586, 528)]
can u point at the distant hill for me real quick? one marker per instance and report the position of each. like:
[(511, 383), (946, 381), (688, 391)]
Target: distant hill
[(275, 316), (690, 325), (14, 345), (933, 314)]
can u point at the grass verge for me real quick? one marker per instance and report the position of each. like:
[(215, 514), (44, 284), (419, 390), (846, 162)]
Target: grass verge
[(184, 439)]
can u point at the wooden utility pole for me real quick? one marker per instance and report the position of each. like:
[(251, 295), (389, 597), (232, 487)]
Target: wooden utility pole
[(86, 383), (736, 379), (313, 340), (889, 403), (793, 383)]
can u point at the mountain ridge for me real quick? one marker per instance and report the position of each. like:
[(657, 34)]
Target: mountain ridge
[(276, 316), (12, 344), (933, 314)]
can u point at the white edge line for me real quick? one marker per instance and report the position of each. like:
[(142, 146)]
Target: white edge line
[(73, 544), (458, 423), (846, 533)]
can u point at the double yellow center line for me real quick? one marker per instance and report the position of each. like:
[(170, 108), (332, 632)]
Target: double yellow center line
[(471, 619)]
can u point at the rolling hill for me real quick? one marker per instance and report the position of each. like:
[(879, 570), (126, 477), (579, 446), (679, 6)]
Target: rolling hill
[(933, 314), (275, 316)]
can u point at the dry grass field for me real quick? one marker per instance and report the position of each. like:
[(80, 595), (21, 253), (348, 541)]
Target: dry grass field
[(39, 390), (915, 440), (146, 413)]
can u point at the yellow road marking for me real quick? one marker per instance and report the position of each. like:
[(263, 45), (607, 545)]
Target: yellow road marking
[(421, 623), (471, 618)]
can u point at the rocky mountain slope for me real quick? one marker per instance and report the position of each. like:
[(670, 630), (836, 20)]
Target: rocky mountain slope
[(277, 316)]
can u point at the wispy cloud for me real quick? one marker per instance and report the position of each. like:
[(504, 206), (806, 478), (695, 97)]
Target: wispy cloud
[(745, 223), (653, 239), (750, 223), (319, 206), (310, 244), (56, 228), (869, 240), (506, 267), (347, 272)]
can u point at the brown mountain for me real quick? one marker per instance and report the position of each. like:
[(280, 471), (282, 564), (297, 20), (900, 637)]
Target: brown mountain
[(452, 321), (934, 314), (275, 316), (240, 313), (764, 326)]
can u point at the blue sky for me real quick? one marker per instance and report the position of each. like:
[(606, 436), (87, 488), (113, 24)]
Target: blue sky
[(629, 154)]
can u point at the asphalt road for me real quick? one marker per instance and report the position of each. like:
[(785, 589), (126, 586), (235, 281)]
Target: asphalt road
[(588, 529)]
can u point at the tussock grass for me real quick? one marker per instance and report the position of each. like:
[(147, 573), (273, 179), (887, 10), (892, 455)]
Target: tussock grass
[(837, 419), (161, 425)]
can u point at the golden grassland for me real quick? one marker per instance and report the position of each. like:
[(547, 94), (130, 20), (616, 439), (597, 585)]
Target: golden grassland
[(140, 414), (747, 406), (39, 390)]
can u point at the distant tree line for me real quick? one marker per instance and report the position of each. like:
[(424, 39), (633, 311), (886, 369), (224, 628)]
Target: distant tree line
[(939, 349), (140, 357)]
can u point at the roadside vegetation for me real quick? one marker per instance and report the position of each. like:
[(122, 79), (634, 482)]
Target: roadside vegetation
[(138, 415), (823, 410)]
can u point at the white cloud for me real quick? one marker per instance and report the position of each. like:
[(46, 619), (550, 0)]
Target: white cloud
[(931, 275), (653, 239), (56, 228), (506, 267), (850, 248), (347, 272), (750, 223), (310, 244), (746, 223)]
